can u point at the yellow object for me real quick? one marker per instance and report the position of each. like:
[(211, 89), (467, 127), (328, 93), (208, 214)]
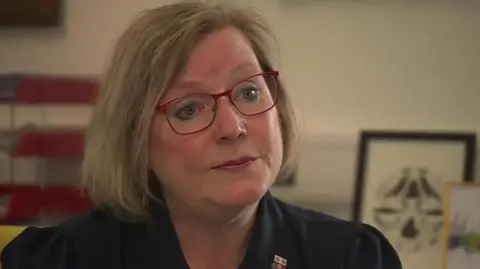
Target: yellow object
[(8, 233)]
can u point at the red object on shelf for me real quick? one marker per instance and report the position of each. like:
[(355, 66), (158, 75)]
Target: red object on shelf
[(65, 200), (55, 90), (22, 203), (50, 144), (27, 202)]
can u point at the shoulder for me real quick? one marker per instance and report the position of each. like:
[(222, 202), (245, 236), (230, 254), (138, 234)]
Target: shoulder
[(351, 244), (63, 246)]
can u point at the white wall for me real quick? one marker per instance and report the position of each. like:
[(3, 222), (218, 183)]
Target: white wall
[(349, 65)]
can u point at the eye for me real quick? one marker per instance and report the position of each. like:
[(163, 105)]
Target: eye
[(247, 92), (188, 109)]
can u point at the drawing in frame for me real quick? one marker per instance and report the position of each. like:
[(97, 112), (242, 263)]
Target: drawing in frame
[(461, 237), (399, 186)]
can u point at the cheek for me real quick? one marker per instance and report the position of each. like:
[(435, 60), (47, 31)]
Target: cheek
[(272, 134), (170, 151), (274, 125)]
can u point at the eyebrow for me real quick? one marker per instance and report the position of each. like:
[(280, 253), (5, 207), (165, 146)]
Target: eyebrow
[(239, 72)]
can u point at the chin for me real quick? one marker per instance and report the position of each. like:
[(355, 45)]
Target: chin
[(242, 195)]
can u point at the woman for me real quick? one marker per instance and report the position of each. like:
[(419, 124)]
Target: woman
[(191, 128)]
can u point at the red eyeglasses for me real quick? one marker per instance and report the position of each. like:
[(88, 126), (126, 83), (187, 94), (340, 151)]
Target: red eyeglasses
[(193, 113)]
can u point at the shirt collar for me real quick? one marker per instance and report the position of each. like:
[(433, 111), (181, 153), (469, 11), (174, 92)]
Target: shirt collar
[(155, 243)]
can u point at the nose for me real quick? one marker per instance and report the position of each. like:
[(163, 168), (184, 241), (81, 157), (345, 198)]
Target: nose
[(229, 124)]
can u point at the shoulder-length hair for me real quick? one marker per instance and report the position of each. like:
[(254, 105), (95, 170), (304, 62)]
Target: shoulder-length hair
[(148, 56)]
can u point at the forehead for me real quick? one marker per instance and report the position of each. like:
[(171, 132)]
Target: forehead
[(220, 54)]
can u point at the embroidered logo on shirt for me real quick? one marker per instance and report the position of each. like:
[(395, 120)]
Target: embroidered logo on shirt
[(279, 262)]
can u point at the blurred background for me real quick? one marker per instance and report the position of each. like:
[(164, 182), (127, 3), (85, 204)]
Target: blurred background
[(350, 65)]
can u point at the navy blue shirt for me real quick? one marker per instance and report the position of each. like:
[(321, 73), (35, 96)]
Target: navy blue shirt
[(303, 239)]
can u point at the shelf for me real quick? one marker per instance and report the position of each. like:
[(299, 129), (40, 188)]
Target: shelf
[(41, 171), (26, 89), (8, 140)]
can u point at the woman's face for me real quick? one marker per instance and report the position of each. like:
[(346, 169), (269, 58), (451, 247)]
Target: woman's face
[(187, 164)]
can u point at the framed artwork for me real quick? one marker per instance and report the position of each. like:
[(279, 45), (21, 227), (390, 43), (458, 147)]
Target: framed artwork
[(399, 186), (30, 13), (461, 241)]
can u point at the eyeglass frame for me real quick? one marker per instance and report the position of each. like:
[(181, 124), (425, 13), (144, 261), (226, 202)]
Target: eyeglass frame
[(228, 93)]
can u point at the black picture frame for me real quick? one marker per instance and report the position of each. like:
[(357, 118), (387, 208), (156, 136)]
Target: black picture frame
[(468, 139)]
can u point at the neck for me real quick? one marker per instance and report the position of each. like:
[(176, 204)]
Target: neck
[(213, 240)]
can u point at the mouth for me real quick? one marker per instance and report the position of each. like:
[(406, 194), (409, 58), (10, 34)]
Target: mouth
[(234, 164)]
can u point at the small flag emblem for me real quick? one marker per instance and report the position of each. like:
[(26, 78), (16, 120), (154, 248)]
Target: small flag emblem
[(279, 262)]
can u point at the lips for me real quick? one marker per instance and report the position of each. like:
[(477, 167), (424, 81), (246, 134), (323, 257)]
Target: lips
[(241, 162)]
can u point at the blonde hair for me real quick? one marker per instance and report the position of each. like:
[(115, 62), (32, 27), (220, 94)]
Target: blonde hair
[(148, 56)]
